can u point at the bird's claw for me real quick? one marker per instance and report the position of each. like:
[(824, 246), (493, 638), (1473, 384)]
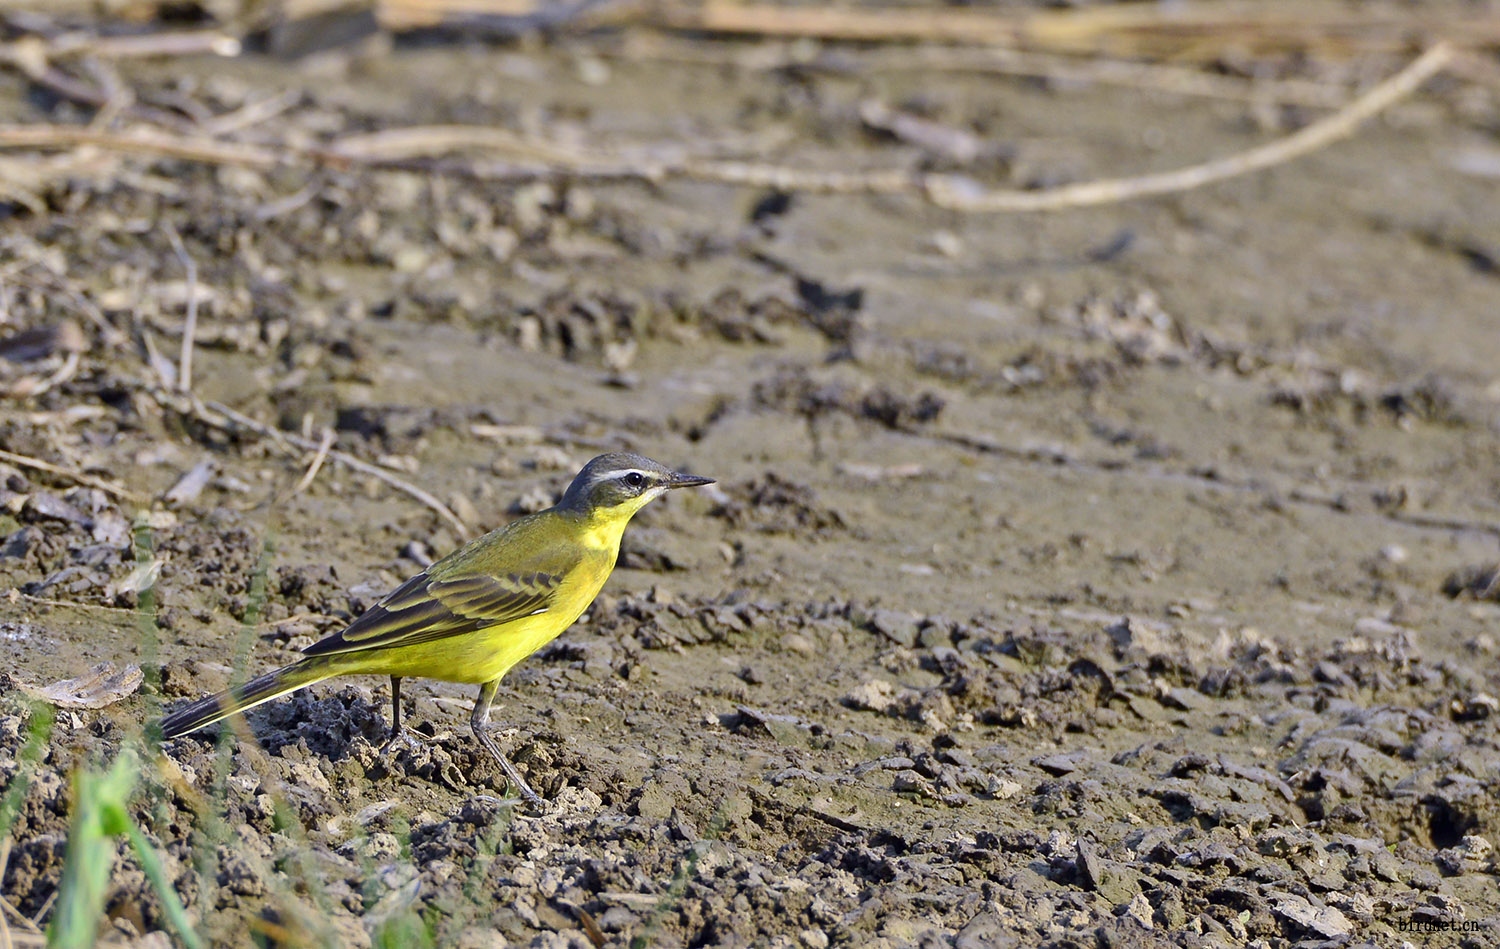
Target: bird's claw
[(502, 802), (512, 776), (405, 740)]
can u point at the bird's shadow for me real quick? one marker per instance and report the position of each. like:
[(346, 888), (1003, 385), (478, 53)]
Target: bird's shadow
[(328, 724), (347, 725)]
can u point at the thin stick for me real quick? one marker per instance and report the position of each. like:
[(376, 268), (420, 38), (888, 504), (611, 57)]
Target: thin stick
[(14, 594), (397, 144), (783, 178), (33, 49), (317, 463), (143, 142), (1054, 67), (204, 413), (388, 147), (946, 193), (281, 206), (648, 47), (30, 387), (29, 938), (118, 97), (158, 362), (395, 147), (508, 17), (37, 464), (110, 98), (147, 45), (1132, 75), (123, 613), (21, 193), (20, 271), (46, 908), (190, 328), (1165, 31), (251, 113)]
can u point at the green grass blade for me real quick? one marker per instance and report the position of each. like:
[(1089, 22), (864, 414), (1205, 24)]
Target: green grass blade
[(151, 863), (98, 802), (38, 735)]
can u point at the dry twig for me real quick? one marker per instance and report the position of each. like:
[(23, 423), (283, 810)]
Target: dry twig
[(1179, 32), (226, 419), (138, 46), (1054, 67), (124, 612), (317, 463), (143, 141), (30, 936), (942, 190), (88, 480), (190, 326), (30, 387), (400, 147), (423, 141), (251, 114), (30, 266), (504, 17), (32, 56)]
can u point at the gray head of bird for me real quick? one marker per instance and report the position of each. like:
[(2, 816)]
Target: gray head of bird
[(622, 482)]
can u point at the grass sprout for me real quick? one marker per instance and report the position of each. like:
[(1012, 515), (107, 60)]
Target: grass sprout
[(100, 809)]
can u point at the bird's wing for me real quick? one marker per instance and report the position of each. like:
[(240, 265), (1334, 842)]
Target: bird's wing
[(424, 609)]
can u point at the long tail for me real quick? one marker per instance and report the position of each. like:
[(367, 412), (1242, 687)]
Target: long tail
[(264, 688)]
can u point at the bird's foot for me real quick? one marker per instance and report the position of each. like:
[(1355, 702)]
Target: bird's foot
[(491, 800), (404, 740), (519, 786), (517, 783)]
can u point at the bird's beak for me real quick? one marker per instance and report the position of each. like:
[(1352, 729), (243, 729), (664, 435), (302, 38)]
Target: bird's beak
[(681, 479)]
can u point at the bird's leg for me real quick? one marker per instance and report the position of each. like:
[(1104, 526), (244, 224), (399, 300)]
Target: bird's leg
[(400, 737), (479, 722), (395, 707)]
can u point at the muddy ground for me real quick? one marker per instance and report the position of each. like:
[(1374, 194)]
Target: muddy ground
[(1119, 576)]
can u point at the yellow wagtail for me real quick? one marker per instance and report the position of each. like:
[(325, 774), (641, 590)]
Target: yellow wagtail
[(477, 612)]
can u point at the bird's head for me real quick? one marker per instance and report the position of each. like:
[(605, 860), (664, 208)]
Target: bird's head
[(617, 484)]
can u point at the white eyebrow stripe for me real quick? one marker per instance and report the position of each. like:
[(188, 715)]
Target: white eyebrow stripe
[(626, 472)]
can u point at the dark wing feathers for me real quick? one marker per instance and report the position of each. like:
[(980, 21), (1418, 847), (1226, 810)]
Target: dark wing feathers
[(424, 609)]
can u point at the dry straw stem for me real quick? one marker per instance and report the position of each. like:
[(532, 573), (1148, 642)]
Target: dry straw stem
[(994, 60), (29, 387), (33, 56), (226, 419), (144, 45), (31, 934), (403, 15), (399, 147), (395, 145), (190, 326), (29, 265), (940, 190), (142, 141), (960, 194), (389, 147), (324, 446), (1181, 32), (78, 477)]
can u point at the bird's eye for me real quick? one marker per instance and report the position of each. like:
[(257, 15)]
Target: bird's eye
[(635, 479)]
